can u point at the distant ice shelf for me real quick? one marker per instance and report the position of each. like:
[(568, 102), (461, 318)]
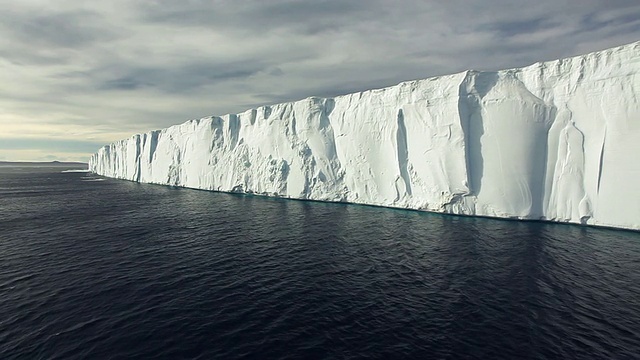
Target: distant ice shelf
[(556, 140)]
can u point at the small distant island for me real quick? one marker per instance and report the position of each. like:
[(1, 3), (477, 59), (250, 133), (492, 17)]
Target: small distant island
[(44, 164)]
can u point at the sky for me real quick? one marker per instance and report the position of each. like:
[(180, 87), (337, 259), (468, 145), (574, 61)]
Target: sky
[(77, 75)]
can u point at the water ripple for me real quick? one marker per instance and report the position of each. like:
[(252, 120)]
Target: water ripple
[(113, 269)]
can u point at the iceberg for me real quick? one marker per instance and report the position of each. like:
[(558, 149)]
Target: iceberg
[(555, 141)]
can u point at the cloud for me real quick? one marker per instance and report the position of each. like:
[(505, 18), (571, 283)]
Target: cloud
[(254, 17), (70, 29), (185, 78), (97, 72), (36, 35)]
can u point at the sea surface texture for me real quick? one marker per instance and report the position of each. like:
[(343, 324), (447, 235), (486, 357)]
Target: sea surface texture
[(95, 268)]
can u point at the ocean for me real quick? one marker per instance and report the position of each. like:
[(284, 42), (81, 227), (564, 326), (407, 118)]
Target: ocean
[(96, 268)]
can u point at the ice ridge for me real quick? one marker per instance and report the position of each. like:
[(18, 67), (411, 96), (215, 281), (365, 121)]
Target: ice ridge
[(555, 140)]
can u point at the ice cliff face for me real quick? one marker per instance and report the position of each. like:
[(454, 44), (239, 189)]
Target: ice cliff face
[(557, 140)]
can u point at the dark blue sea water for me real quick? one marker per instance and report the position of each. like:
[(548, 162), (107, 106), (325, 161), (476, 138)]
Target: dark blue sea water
[(113, 270)]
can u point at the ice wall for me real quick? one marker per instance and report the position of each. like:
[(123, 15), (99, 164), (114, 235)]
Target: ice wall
[(555, 140)]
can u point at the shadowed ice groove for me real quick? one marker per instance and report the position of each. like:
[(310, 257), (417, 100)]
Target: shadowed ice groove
[(514, 126), (403, 154), (473, 131)]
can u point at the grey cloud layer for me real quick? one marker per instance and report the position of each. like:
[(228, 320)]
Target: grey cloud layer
[(127, 66)]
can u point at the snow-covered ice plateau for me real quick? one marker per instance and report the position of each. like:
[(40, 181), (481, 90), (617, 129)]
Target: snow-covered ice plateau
[(556, 140)]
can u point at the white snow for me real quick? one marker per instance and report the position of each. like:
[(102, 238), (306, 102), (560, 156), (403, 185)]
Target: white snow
[(556, 140)]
